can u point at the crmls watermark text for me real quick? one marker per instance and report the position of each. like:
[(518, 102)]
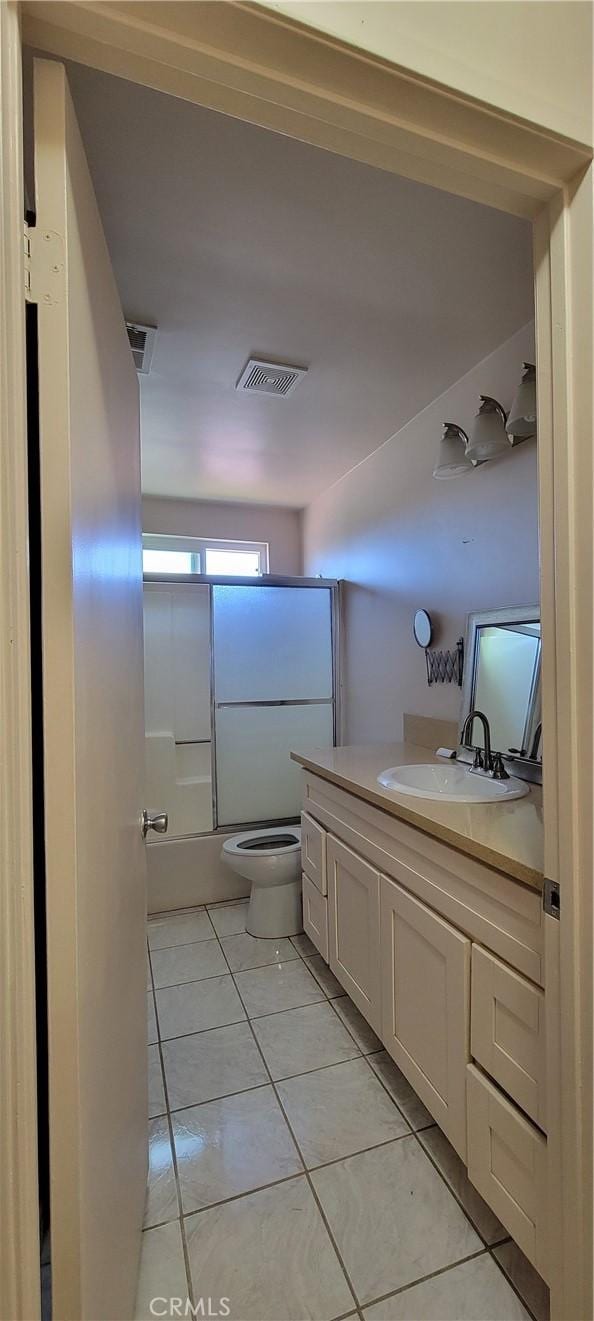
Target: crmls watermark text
[(203, 1307)]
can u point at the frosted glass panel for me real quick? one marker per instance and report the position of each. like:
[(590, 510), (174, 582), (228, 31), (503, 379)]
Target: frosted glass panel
[(256, 779), (177, 660), (272, 643)]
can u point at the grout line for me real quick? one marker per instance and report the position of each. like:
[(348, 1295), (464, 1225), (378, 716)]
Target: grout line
[(300, 1154), (361, 1151), (247, 1192), (432, 1275), (180, 1216), (288, 1077)]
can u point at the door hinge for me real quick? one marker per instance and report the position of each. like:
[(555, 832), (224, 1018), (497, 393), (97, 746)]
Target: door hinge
[(551, 898), (43, 265)]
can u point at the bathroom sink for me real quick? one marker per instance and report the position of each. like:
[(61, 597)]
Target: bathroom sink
[(451, 783)]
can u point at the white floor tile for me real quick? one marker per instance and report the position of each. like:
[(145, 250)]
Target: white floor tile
[(162, 1272), (270, 1254), (404, 1095), (358, 1026), (229, 921), (448, 1162), (232, 1146), (527, 1281), (244, 951), (212, 1064), (303, 1039), (325, 977), (161, 1195), (281, 986), (337, 1111), (182, 929), (188, 963), (198, 1006), (156, 1093), (474, 1291), (393, 1218), (151, 1019)]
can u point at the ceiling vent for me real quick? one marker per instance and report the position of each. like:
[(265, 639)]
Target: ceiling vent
[(142, 342), (270, 378)]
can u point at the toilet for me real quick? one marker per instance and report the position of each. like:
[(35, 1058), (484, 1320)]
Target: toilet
[(271, 860)]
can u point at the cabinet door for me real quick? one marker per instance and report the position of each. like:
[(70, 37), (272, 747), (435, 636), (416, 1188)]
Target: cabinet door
[(353, 928), (426, 1005)]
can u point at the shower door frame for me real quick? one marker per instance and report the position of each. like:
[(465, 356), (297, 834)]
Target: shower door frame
[(260, 580)]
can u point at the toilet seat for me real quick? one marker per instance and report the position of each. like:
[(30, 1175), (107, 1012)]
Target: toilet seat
[(246, 844)]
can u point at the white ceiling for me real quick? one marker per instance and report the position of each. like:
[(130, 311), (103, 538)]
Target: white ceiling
[(238, 242)]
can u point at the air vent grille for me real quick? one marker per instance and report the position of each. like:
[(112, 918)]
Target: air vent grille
[(142, 343), (271, 378)]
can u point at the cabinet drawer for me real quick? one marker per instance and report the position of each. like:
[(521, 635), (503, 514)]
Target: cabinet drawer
[(426, 1005), (315, 916), (313, 852), (508, 1031), (507, 1163)]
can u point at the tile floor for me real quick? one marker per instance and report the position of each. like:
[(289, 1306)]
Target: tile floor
[(293, 1170)]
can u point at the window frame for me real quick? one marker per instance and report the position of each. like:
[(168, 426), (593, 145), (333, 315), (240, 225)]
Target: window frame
[(198, 546)]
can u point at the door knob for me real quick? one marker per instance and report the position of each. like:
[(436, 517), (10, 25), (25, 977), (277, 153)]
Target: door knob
[(157, 823)]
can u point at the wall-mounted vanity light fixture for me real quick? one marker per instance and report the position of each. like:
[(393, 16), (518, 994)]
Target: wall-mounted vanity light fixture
[(488, 438), (452, 459), (521, 422)]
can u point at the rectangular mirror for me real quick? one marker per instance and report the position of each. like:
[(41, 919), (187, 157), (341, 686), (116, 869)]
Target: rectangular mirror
[(502, 679)]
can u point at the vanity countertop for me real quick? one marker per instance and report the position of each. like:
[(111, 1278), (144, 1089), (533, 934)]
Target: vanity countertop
[(508, 836)]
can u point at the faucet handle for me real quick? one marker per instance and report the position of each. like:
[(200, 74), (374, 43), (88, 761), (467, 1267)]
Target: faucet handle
[(478, 764), (499, 771)]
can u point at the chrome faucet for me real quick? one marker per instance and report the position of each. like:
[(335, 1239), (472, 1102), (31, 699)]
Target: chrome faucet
[(484, 760)]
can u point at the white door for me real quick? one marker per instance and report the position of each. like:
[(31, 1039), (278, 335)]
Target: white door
[(92, 729)]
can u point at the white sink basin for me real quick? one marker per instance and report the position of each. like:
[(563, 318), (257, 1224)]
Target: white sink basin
[(450, 783)]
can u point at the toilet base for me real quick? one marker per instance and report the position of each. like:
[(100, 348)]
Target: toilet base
[(275, 910)]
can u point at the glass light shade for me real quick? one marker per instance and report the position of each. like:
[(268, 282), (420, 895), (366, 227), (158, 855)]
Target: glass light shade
[(521, 422), (488, 437), (452, 460)]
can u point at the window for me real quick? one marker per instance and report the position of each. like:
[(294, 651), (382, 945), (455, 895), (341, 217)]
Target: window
[(232, 562), (168, 561), (180, 555)]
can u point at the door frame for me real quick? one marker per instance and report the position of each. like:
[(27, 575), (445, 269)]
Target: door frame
[(254, 64)]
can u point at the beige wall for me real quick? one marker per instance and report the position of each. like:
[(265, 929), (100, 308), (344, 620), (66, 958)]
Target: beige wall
[(281, 528), (404, 541), (530, 57)]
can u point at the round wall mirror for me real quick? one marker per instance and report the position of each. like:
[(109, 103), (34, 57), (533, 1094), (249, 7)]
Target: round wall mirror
[(422, 628)]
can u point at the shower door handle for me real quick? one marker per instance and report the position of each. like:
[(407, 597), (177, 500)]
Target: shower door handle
[(158, 823)]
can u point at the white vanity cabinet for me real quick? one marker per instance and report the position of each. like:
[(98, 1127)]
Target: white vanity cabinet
[(444, 957)]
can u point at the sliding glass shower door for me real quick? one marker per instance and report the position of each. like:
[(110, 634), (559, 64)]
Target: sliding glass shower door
[(273, 676)]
